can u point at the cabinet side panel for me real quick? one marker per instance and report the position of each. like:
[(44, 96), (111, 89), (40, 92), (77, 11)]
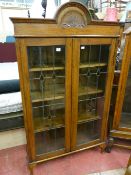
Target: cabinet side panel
[(20, 55), (126, 61), (110, 76)]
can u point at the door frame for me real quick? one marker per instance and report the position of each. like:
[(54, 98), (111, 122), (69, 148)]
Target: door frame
[(126, 61), (75, 84), (21, 45)]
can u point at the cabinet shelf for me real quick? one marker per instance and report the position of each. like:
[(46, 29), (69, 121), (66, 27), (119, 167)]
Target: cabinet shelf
[(50, 68), (125, 120), (36, 97), (46, 68), (87, 117), (58, 122), (91, 65), (89, 91), (44, 124)]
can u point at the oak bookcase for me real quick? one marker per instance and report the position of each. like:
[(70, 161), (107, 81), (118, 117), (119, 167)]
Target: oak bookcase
[(66, 68)]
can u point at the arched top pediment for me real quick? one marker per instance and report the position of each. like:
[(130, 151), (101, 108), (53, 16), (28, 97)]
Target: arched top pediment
[(73, 14)]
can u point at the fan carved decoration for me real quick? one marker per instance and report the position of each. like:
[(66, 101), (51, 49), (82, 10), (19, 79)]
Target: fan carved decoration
[(73, 19), (69, 16)]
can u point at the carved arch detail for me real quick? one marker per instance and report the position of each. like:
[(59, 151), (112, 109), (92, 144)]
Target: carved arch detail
[(73, 15)]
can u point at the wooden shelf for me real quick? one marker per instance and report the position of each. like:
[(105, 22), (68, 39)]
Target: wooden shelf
[(46, 68), (50, 68), (125, 120), (87, 117), (44, 124), (48, 96), (89, 91), (36, 96), (86, 65)]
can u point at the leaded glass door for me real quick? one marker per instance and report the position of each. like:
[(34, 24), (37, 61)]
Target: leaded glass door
[(125, 117), (122, 116), (90, 78), (48, 70)]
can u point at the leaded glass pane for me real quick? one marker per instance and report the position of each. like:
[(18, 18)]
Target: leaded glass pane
[(92, 82), (126, 110), (47, 86), (50, 140)]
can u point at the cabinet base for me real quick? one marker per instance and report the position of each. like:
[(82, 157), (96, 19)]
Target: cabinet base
[(31, 168), (120, 140), (32, 165)]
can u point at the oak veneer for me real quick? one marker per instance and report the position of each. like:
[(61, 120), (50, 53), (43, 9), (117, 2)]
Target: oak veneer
[(122, 116), (66, 68)]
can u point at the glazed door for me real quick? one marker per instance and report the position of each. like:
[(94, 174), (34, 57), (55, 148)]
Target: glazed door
[(91, 88), (122, 116), (47, 66), (125, 117)]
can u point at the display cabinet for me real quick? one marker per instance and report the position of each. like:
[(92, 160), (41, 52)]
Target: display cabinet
[(128, 169), (122, 117), (66, 67)]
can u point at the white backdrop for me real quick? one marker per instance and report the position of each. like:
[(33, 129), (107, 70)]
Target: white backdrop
[(6, 26), (37, 10)]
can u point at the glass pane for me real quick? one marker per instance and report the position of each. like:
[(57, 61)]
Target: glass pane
[(46, 57), (49, 141), (94, 54), (126, 110), (88, 132), (48, 115), (47, 86), (92, 82)]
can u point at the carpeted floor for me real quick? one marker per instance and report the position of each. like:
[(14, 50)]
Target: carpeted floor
[(13, 161), (110, 172)]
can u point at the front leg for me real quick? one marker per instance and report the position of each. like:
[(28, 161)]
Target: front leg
[(109, 145), (102, 147), (31, 168)]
